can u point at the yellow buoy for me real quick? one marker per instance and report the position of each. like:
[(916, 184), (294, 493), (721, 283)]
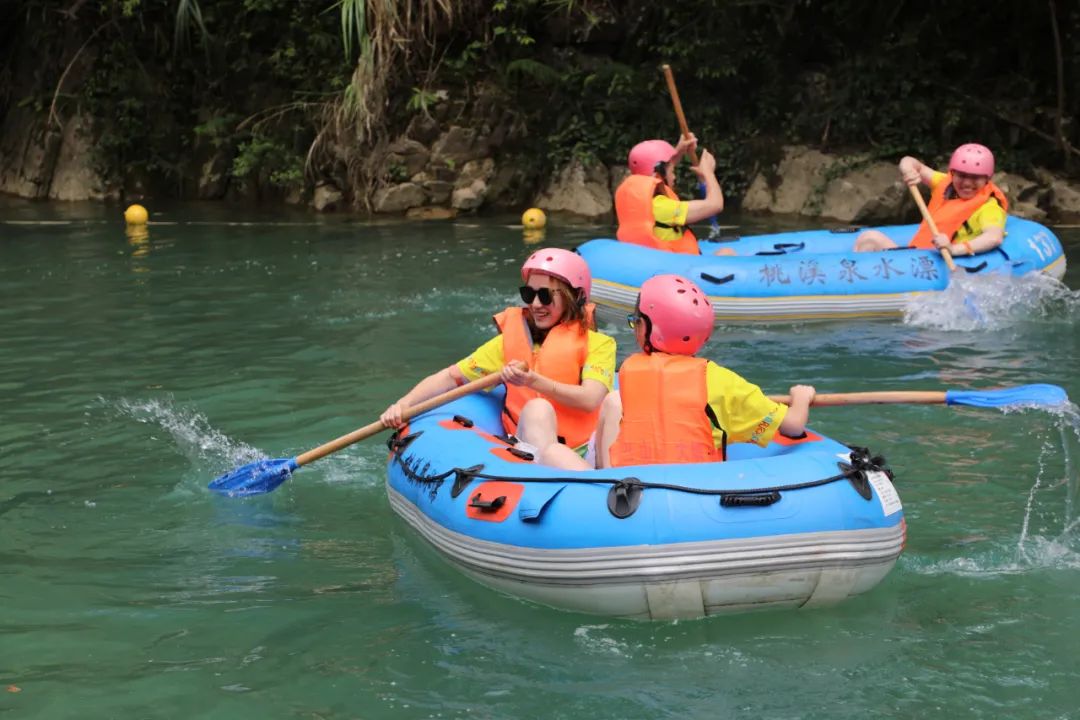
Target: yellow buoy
[(533, 219), (136, 215)]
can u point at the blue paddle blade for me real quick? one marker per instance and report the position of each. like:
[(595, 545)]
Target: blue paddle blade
[(1038, 394), (255, 478)]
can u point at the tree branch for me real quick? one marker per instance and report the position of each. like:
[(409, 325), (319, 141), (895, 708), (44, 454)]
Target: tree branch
[(1059, 66), (60, 83)]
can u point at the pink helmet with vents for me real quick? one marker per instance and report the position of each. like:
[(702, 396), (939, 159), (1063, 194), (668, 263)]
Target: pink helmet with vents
[(680, 316), (973, 159), (645, 156), (568, 266)]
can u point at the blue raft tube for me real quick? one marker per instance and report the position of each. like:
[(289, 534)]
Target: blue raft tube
[(810, 274), (798, 524)]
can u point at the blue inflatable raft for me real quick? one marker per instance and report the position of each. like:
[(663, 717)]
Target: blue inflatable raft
[(811, 274), (803, 523)]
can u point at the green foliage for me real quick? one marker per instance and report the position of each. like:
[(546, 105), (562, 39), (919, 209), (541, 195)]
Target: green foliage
[(258, 80), (170, 80), (264, 159), (353, 25), (421, 100)]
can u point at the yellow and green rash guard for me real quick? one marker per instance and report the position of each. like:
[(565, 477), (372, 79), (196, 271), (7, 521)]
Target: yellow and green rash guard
[(990, 215), (669, 212), (741, 408), (599, 361)]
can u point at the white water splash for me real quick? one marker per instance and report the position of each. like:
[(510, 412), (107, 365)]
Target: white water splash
[(191, 431), (1049, 533), (992, 302), (595, 640), (1041, 554), (1068, 427)]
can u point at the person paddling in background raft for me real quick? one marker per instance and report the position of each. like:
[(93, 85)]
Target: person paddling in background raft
[(567, 367), (646, 206), (967, 207), (704, 406)]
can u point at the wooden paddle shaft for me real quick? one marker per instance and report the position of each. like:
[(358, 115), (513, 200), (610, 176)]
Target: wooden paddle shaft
[(377, 426), (930, 222), (923, 397), (683, 127)]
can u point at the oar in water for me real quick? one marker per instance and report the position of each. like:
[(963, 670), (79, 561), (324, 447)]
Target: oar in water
[(263, 476), (1040, 394), (969, 303), (714, 232)]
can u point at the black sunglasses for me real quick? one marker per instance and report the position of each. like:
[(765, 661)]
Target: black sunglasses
[(528, 294), (632, 320)]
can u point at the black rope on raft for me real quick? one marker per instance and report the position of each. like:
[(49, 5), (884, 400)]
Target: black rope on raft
[(416, 469), (862, 462)]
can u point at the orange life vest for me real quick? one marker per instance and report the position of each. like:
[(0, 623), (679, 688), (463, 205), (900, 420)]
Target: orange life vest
[(951, 213), (634, 210), (664, 418), (560, 357)]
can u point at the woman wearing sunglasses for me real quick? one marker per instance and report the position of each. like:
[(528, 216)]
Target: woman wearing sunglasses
[(705, 406), (566, 370)]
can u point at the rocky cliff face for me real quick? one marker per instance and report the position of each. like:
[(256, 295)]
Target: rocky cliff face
[(855, 189), (432, 171)]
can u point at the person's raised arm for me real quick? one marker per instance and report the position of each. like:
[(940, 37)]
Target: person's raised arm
[(713, 202), (914, 171)]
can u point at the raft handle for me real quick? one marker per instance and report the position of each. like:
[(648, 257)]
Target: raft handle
[(521, 454), (847, 229), (717, 281), (750, 500), (783, 249), (463, 421), (462, 478), (624, 497), (862, 463), (396, 443), (487, 505)]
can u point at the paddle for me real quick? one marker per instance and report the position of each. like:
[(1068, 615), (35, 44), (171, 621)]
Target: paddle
[(263, 476), (933, 226), (685, 130), (1038, 394)]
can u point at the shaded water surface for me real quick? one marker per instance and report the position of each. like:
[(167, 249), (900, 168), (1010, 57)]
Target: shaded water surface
[(135, 369)]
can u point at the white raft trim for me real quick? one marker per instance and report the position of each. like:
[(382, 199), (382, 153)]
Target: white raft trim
[(683, 580)]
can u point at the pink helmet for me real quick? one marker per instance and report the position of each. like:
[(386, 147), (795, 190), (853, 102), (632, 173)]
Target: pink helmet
[(973, 159), (568, 266), (645, 156), (680, 316)]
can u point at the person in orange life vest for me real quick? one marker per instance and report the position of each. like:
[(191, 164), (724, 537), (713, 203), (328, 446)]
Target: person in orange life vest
[(567, 367), (968, 208), (674, 407), (646, 206)]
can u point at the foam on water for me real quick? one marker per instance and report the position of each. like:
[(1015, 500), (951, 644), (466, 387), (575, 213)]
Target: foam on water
[(212, 451), (191, 431), (992, 302)]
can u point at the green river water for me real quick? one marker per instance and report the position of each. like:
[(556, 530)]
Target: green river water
[(134, 370)]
